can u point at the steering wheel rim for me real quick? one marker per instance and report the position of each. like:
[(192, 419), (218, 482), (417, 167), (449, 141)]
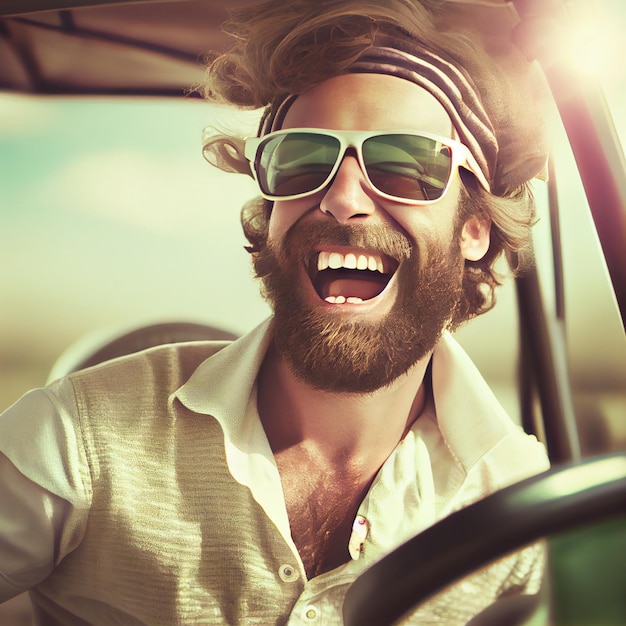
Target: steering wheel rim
[(559, 499)]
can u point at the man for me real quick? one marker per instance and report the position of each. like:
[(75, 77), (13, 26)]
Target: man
[(251, 483)]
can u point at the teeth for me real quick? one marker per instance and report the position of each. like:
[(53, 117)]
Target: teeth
[(335, 260), (343, 300), (350, 261)]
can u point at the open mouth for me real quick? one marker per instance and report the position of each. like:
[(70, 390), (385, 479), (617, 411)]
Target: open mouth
[(352, 278)]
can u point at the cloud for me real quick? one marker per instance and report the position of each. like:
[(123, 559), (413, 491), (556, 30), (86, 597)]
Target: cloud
[(177, 195)]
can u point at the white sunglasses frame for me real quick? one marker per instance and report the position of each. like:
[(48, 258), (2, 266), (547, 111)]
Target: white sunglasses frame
[(461, 157)]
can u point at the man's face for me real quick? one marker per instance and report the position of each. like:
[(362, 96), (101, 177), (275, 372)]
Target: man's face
[(358, 326)]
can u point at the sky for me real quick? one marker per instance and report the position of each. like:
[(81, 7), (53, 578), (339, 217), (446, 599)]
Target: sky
[(110, 217)]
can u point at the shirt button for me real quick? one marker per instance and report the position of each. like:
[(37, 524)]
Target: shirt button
[(360, 530), (310, 614), (288, 573)]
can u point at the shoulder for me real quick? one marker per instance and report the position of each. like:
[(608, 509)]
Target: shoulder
[(164, 367), (133, 391)]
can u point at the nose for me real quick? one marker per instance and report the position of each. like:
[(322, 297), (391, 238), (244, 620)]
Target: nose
[(347, 197)]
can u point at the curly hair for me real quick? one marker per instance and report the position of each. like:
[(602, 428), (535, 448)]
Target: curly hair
[(281, 49)]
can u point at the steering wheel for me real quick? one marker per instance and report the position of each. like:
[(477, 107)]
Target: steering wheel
[(566, 498)]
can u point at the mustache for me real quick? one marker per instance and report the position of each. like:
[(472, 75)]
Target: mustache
[(303, 238)]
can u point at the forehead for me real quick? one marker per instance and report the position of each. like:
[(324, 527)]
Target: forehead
[(369, 102)]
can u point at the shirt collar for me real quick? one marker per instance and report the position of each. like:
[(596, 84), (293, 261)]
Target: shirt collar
[(222, 385), (469, 416)]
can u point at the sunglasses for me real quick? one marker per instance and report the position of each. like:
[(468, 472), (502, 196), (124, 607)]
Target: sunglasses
[(403, 166)]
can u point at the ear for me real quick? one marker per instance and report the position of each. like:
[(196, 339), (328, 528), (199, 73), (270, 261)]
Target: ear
[(475, 238)]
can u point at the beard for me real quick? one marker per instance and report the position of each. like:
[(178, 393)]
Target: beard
[(332, 353)]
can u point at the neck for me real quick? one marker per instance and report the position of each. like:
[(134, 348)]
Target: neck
[(358, 429)]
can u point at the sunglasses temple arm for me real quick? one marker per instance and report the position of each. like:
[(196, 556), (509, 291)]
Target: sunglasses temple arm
[(472, 166)]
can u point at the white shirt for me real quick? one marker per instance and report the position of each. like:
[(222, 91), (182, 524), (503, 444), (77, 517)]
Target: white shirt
[(459, 450)]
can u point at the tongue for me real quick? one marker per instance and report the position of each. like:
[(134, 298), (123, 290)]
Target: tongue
[(353, 288)]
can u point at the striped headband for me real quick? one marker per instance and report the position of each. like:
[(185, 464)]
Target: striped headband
[(446, 82)]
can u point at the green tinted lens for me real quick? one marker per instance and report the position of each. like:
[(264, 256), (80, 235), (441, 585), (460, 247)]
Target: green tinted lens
[(295, 163), (407, 166)]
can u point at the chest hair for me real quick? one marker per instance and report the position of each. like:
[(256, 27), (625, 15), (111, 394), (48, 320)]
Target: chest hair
[(321, 506)]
